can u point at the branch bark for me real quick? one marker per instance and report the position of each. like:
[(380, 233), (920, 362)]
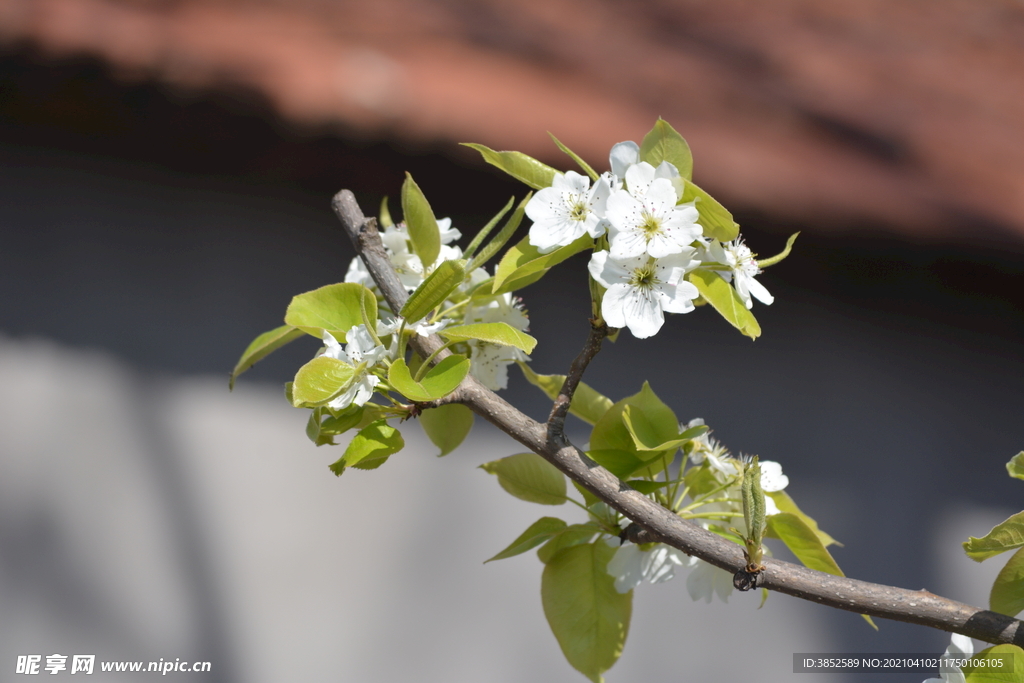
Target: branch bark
[(652, 522)]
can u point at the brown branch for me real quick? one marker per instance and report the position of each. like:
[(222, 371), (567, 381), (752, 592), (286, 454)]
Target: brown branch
[(556, 421), (654, 523)]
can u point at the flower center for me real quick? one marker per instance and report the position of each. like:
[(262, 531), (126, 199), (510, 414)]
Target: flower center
[(650, 225), (578, 210), (643, 278)]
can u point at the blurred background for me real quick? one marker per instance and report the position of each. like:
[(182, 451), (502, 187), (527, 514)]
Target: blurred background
[(166, 168)]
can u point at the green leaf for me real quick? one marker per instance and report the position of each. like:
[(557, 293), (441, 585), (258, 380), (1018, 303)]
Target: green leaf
[(645, 437), (714, 218), (701, 480), (319, 381), (518, 165), (803, 542), (663, 143), (334, 308), (486, 230), (619, 462), (529, 477), (1007, 596), (771, 261), (587, 404), (447, 426), (575, 157), (1012, 671), (1015, 468), (645, 487), (590, 619), (786, 504), (502, 334), (612, 433), (540, 531), (1004, 536), (261, 347), (384, 215), (588, 497), (441, 380), (721, 295), (523, 261), (419, 219), (502, 237), (370, 448), (432, 292), (574, 534)]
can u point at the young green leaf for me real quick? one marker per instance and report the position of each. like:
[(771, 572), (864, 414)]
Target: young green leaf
[(502, 334), (432, 292), (419, 219), (996, 664), (575, 157), (523, 263), (590, 619), (619, 462), (1015, 468), (320, 380), (754, 512), (771, 261), (518, 165), (714, 218), (1006, 535), (574, 534), (384, 216), (502, 237), (803, 542), (529, 477), (447, 426), (261, 347), (540, 531), (611, 431), (370, 448), (786, 504), (334, 308), (663, 143), (1007, 596), (645, 487), (721, 295), (587, 404), (486, 230), (645, 437), (441, 380)]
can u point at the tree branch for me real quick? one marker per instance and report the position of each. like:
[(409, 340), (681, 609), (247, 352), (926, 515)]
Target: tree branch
[(556, 421), (652, 522)]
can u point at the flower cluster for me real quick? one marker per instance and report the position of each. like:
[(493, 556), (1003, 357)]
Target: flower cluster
[(489, 361), (715, 504), (649, 239)]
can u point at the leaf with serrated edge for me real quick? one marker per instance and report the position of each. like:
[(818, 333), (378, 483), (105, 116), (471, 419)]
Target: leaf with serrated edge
[(370, 448), (786, 504), (493, 333), (589, 617), (335, 308), (713, 217), (1004, 536), (805, 544), (1007, 595), (574, 534), (587, 404), (721, 295), (447, 426), (538, 532), (261, 347), (518, 165), (440, 380), (420, 222), (320, 380), (432, 292), (663, 143), (529, 477), (523, 260)]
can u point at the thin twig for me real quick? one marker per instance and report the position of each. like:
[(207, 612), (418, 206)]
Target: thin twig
[(556, 421), (654, 523)]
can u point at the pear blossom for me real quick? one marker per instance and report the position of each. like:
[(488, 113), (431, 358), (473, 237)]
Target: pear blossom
[(362, 352), (709, 448), (641, 290), (645, 219), (960, 646), (622, 156), (407, 264), (490, 361), (631, 564), (706, 580), (740, 268), (567, 210)]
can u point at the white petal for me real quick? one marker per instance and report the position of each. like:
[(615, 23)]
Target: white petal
[(700, 584), (772, 478), (758, 291), (623, 155), (627, 567), (631, 307)]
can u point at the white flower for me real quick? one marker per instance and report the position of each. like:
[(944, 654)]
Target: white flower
[(706, 580), (623, 155), (490, 361), (361, 348), (741, 269), (959, 647), (567, 210), (448, 233), (710, 449), (772, 478), (645, 218), (630, 565), (642, 290)]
